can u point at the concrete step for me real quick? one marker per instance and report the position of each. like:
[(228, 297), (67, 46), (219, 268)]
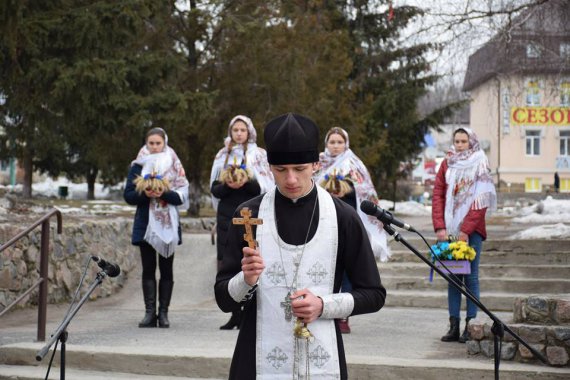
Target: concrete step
[(503, 284), (147, 361), (485, 270), (27, 372), (494, 301), (183, 365), (496, 257)]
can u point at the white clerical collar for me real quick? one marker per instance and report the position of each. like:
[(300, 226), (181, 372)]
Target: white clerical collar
[(294, 200)]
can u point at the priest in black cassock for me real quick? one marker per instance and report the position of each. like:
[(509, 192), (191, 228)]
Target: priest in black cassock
[(289, 285)]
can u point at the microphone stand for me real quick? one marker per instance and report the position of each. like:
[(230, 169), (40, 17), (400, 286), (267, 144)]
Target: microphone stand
[(499, 327), (61, 333)]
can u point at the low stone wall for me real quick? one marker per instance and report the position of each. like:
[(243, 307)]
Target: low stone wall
[(68, 255), (542, 322)]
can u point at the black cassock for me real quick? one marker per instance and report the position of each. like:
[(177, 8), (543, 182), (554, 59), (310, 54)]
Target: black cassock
[(354, 256)]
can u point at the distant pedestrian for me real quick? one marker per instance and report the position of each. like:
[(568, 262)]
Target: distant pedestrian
[(556, 182), (463, 192), (156, 184), (240, 172)]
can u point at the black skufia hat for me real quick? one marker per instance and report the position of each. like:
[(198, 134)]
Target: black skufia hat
[(291, 139)]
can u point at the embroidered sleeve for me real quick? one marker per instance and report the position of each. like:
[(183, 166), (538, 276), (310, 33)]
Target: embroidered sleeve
[(239, 289), (339, 305)]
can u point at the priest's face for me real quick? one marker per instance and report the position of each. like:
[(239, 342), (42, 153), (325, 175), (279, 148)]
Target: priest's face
[(294, 180)]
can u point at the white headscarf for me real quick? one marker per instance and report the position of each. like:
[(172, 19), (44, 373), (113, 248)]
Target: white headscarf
[(163, 218), (349, 165), (255, 158), (469, 183)]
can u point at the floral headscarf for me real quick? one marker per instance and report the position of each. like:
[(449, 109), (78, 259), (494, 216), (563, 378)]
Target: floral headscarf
[(350, 166), (163, 219), (469, 183), (254, 157)]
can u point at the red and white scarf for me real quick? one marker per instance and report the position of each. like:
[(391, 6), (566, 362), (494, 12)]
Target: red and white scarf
[(469, 184), (349, 165), (255, 158), (163, 219)]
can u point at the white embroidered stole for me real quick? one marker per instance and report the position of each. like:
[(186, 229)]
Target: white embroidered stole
[(275, 346)]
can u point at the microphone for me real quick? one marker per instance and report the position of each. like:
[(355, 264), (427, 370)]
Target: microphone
[(112, 270), (382, 215)]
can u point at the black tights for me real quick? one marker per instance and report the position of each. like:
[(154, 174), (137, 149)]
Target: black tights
[(148, 258)]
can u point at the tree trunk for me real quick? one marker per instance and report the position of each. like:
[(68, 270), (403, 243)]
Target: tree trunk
[(28, 166), (91, 177), (194, 195)]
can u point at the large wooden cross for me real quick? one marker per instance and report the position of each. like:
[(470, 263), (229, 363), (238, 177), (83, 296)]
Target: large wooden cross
[(247, 222)]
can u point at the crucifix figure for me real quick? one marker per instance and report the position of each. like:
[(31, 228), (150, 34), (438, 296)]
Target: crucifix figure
[(247, 222), (287, 308)]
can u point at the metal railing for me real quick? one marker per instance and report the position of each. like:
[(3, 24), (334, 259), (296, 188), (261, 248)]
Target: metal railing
[(44, 260)]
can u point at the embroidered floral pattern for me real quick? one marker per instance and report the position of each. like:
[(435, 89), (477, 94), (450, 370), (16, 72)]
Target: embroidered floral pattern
[(317, 273), (319, 356), (277, 358), (276, 274)]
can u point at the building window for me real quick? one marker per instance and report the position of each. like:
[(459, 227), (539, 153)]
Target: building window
[(565, 185), (532, 143), (532, 50), (565, 93), (565, 143), (532, 89), (564, 50), (532, 185)]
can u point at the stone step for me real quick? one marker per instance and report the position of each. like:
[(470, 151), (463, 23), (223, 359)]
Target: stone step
[(151, 367), (504, 285), (485, 270), (494, 301), (498, 257), (28, 372)]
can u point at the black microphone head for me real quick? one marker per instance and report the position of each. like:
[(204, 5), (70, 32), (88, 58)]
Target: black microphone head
[(368, 207), (112, 270)]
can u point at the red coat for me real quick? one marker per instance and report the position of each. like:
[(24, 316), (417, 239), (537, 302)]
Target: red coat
[(474, 221)]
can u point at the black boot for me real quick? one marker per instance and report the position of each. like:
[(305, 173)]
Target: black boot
[(149, 293), (233, 322), (453, 333), (164, 295), (465, 336)]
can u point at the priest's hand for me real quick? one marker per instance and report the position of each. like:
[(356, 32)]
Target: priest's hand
[(252, 265), (463, 236), (306, 306)]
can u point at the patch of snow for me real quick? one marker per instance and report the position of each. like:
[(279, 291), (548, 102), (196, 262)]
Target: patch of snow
[(552, 231)]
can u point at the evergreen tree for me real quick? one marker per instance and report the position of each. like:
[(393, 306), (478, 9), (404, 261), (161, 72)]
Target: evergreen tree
[(391, 75), (275, 57), (105, 70)]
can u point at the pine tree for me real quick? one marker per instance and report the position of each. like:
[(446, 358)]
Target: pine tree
[(103, 71), (390, 75)]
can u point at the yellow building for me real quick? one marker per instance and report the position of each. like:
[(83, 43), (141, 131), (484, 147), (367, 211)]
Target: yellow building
[(519, 84)]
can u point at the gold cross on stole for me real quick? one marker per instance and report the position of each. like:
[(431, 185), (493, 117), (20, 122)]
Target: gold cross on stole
[(247, 222)]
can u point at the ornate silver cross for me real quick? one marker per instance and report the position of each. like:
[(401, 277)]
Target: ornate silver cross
[(287, 309)]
